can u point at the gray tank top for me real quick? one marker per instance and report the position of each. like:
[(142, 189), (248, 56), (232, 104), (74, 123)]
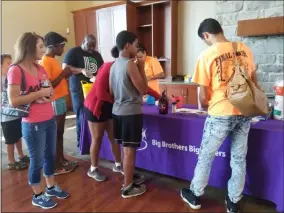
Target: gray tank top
[(127, 99)]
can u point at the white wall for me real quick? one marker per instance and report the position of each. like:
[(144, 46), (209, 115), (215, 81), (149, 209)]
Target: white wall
[(43, 16), (31, 16), (191, 14)]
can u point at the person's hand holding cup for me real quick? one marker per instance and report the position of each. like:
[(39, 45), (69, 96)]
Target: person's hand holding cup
[(87, 73)]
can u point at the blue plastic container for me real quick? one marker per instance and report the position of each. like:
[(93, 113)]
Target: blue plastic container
[(150, 100)]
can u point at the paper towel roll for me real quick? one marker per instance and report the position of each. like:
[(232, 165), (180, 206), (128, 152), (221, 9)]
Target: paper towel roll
[(199, 104), (278, 113)]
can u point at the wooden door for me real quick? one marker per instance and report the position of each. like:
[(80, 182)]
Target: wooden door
[(163, 87), (174, 90), (188, 92), (174, 37), (91, 19), (192, 97), (80, 27), (184, 94), (131, 18)]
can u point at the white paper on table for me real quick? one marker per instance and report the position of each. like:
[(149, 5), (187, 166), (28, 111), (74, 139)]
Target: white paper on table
[(191, 111)]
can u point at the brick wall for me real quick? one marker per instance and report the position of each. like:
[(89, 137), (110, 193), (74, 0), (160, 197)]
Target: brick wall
[(268, 51)]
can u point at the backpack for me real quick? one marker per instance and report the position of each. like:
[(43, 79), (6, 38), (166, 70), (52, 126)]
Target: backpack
[(6, 108), (243, 94)]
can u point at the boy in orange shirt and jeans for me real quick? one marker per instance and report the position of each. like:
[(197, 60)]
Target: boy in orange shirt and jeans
[(213, 69)]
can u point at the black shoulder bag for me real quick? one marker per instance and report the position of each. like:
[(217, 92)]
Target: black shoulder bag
[(6, 108)]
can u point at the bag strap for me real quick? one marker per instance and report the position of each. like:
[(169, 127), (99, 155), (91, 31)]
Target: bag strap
[(235, 53), (6, 84), (24, 83), (23, 79), (236, 62)]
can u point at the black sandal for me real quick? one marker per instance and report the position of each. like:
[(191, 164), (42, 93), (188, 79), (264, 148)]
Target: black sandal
[(17, 166), (25, 159), (70, 163)]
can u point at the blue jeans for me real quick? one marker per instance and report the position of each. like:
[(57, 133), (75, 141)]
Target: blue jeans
[(78, 107), (41, 142), (215, 131)]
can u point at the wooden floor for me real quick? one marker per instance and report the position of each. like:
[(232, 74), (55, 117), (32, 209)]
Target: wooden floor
[(87, 195)]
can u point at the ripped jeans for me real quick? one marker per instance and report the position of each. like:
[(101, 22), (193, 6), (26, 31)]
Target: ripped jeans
[(215, 131), (41, 143)]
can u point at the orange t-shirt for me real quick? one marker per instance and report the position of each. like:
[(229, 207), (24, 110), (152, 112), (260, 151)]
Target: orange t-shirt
[(53, 70), (152, 68), (214, 68)]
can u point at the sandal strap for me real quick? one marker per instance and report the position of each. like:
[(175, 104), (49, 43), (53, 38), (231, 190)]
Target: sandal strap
[(25, 158), (68, 167), (70, 163), (17, 165)]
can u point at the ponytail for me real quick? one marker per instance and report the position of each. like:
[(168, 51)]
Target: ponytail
[(115, 52)]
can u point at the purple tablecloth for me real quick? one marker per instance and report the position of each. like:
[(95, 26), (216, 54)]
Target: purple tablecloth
[(171, 144)]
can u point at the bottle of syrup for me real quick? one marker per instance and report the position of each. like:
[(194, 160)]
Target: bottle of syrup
[(44, 83), (163, 104)]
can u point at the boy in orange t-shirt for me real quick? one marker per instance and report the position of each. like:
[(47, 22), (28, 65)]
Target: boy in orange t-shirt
[(213, 69), (55, 43)]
